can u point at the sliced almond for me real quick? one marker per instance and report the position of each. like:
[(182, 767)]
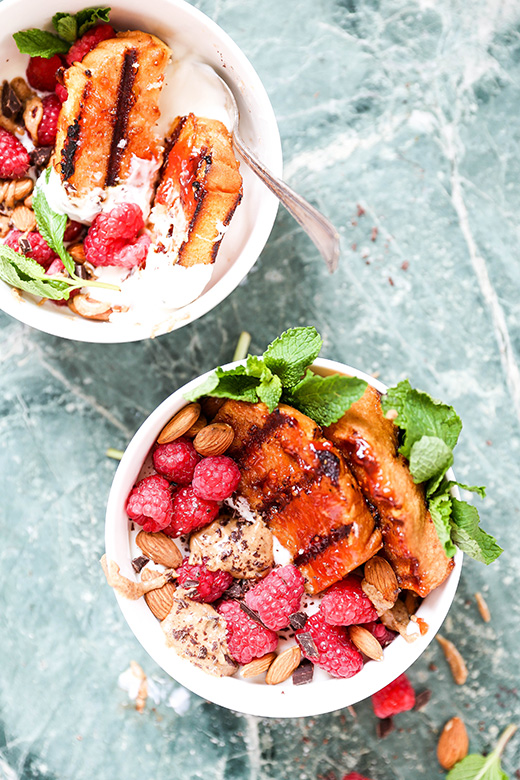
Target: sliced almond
[(376, 597), (214, 439), (179, 424), (87, 307), (453, 743), (457, 664), (32, 116), (196, 427), (483, 608), (129, 588), (380, 574), (366, 642), (398, 619), (160, 600), (258, 666), (160, 548), (283, 666), (23, 219), (11, 190), (4, 225)]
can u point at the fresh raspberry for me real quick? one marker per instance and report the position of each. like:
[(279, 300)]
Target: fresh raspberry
[(277, 597), (190, 513), (112, 238), (337, 654), (88, 42), (397, 697), (73, 231), (39, 248), (381, 633), (62, 92), (246, 638), (176, 461), (355, 776), (345, 604), (14, 157), (216, 478), (49, 122), (56, 267), (41, 72), (210, 584), (150, 504)]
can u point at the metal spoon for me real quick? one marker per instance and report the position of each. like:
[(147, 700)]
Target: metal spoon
[(318, 228)]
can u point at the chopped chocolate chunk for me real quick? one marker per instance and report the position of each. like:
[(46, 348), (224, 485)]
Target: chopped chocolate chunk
[(422, 699), (303, 674), (11, 103), (190, 584), (41, 155), (81, 271), (251, 613), (234, 591), (307, 644), (139, 563), (298, 620), (25, 245), (384, 727)]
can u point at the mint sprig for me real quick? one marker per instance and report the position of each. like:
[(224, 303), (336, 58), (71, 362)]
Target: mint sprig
[(431, 430), (69, 27), (477, 767), (282, 374), (51, 225)]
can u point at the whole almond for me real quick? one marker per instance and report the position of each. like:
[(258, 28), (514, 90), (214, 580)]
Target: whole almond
[(214, 439), (258, 666), (376, 597), (366, 642), (160, 548), (283, 666), (179, 424), (77, 252), (453, 743), (160, 600), (23, 219), (456, 662), (380, 574)]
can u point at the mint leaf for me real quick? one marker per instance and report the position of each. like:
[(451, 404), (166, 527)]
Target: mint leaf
[(66, 26), (467, 534), (40, 43), (232, 383), (26, 274), (440, 511), (291, 353), (325, 399), (269, 391), (89, 17), (420, 415), (429, 457), (205, 388), (255, 366), (51, 226), (476, 767), (479, 490)]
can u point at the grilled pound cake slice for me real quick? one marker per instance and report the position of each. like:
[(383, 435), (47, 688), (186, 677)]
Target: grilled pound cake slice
[(106, 125), (370, 444), (301, 486), (199, 191)]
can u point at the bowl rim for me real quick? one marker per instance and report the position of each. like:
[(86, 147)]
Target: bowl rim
[(235, 693), (76, 329)]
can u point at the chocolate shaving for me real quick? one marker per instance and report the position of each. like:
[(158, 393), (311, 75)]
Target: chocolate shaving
[(41, 155), (303, 674), (384, 727), (139, 563), (297, 620), (234, 591), (11, 103), (190, 584), (25, 245), (422, 699), (307, 644), (251, 613)]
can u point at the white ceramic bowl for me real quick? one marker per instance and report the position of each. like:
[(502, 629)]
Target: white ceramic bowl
[(246, 695), (178, 24)]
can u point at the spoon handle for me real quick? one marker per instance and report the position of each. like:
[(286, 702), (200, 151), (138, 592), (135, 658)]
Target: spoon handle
[(318, 228)]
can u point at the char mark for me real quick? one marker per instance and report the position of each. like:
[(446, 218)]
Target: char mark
[(226, 221), (68, 152), (320, 543), (329, 465), (124, 104)]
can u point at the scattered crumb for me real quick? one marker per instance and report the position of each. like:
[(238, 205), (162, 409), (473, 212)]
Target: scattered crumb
[(373, 234), (391, 281), (405, 265), (354, 247), (483, 608), (360, 210)]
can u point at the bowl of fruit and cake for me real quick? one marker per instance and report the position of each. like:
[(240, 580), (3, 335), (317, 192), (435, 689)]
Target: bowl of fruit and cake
[(121, 195), (272, 531)]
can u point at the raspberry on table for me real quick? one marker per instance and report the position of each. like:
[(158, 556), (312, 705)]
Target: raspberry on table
[(210, 584), (383, 635), (277, 597), (49, 122), (190, 513), (345, 604), (62, 92), (14, 157), (113, 238), (216, 478), (36, 246), (246, 638), (41, 72), (397, 697), (89, 41), (355, 776), (176, 461), (150, 504), (336, 653)]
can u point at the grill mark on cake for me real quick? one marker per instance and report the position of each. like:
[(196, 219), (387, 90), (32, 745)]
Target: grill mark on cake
[(200, 193), (71, 145), (321, 543), (170, 143), (226, 221), (124, 104)]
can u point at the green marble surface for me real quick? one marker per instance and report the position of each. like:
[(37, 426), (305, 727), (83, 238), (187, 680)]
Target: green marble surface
[(410, 109)]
